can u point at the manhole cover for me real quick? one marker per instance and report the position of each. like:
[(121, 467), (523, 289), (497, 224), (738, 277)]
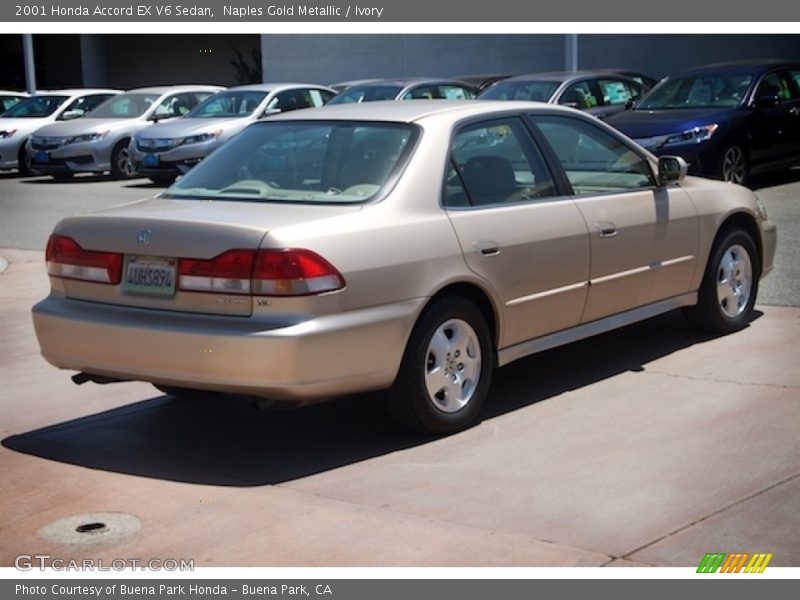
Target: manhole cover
[(91, 528)]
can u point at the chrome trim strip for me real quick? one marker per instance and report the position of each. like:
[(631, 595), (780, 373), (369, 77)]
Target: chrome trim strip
[(622, 274), (547, 293), (677, 261), (638, 270), (512, 353)]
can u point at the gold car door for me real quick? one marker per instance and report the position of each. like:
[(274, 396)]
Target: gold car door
[(526, 242), (643, 237)]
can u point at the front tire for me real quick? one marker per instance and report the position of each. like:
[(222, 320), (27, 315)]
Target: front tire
[(734, 164), (730, 285), (24, 162), (121, 166), (446, 370)]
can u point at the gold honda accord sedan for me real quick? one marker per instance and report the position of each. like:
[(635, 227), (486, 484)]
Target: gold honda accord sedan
[(406, 246)]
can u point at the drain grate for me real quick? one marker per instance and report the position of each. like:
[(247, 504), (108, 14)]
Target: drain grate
[(91, 528)]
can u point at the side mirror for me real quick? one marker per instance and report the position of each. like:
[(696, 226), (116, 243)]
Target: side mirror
[(768, 101), (630, 104), (671, 169), (270, 111), (570, 104), (68, 115)]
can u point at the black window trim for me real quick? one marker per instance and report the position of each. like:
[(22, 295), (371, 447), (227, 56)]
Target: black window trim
[(530, 117), (528, 144)]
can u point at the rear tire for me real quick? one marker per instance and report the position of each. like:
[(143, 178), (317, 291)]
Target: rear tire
[(446, 369), (163, 179), (182, 393), (730, 285)]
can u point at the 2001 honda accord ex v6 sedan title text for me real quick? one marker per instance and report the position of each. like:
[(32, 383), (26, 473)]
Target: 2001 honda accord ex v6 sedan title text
[(409, 246)]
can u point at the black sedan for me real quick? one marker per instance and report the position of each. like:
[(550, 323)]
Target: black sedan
[(728, 120)]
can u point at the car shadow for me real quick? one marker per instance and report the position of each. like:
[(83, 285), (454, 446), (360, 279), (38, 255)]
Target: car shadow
[(217, 440), (78, 178), (774, 179), (147, 185)]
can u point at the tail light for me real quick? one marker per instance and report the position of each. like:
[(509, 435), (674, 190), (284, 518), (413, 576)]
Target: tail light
[(227, 273), (287, 272), (66, 259)]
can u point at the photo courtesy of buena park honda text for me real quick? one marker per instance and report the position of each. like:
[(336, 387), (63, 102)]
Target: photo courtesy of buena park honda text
[(399, 300)]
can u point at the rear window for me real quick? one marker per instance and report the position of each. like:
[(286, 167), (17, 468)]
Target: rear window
[(324, 162), (367, 94), (540, 91)]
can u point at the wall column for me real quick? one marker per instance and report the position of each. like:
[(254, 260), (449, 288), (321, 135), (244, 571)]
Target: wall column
[(30, 65), (93, 61)]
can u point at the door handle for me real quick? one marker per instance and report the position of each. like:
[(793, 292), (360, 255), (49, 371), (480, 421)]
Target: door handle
[(607, 229), (487, 247)]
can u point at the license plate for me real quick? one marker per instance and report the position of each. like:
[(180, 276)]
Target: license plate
[(150, 160), (42, 157), (151, 275)]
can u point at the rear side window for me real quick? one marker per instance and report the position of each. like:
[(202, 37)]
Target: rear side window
[(777, 85), (495, 162), (579, 95), (594, 160)]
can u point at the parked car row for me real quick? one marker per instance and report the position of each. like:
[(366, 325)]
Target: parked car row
[(728, 121)]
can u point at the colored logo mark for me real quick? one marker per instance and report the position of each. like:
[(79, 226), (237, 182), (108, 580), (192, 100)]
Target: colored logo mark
[(734, 563)]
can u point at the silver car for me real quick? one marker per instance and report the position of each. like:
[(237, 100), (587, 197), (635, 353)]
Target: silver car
[(99, 142), (408, 246), (414, 88), (45, 107), (165, 150)]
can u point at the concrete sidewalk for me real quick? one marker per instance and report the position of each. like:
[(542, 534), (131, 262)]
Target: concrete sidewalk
[(651, 445)]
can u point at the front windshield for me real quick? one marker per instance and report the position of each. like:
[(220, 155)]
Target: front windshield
[(36, 107), (540, 91), (124, 106), (340, 162), (228, 104), (367, 93), (698, 91)]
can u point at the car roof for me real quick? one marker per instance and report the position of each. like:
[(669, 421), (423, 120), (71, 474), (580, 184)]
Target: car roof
[(406, 81), (165, 89), (562, 76), (410, 111), (76, 92), (270, 87), (740, 66)]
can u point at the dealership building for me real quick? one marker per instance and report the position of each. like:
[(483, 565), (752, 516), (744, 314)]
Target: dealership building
[(132, 60)]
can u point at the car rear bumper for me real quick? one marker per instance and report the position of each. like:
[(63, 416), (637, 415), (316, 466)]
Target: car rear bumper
[(304, 360)]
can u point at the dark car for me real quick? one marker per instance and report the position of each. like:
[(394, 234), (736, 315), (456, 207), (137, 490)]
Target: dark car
[(406, 89), (481, 81), (645, 80), (600, 93), (728, 120)]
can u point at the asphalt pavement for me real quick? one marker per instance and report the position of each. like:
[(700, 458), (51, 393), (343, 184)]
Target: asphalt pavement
[(650, 445)]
